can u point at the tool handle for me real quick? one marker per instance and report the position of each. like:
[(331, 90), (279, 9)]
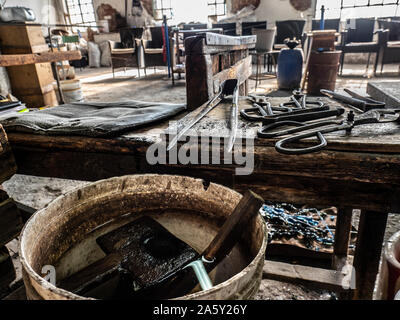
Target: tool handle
[(342, 98), (233, 227), (184, 281)]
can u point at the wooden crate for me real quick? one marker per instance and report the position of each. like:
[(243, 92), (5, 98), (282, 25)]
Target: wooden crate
[(32, 84)]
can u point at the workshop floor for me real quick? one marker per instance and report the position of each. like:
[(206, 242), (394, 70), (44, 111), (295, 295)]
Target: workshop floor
[(99, 85)]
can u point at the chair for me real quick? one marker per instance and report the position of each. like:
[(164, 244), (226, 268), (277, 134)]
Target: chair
[(128, 36), (392, 24), (358, 38), (389, 51), (122, 57), (289, 29), (248, 26), (330, 24), (229, 28), (264, 45), (153, 49)]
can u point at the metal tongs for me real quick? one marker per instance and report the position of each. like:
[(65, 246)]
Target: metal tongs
[(322, 127), (229, 87), (356, 101)]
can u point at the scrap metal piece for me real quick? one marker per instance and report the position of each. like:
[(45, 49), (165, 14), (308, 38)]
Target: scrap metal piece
[(227, 88)]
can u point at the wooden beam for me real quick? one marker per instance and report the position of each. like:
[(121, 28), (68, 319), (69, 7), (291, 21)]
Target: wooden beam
[(8, 166), (342, 237), (298, 274), (371, 231), (10, 219), (240, 70), (7, 271), (8, 60)]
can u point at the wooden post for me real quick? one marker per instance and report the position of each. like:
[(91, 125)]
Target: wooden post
[(211, 59), (7, 162), (342, 237), (7, 271), (371, 228)]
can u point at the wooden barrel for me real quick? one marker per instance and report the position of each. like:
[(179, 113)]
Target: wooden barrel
[(63, 234), (323, 69)]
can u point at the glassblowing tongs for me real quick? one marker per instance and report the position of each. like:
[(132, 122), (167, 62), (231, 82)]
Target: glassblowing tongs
[(322, 127)]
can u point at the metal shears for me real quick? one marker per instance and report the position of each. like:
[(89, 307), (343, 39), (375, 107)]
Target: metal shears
[(318, 129)]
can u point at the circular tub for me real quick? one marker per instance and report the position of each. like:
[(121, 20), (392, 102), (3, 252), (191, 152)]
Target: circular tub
[(63, 234)]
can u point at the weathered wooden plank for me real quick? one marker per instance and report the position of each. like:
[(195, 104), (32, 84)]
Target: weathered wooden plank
[(214, 39), (7, 162), (342, 237), (7, 271), (199, 86), (318, 191), (10, 219), (25, 211), (310, 276), (198, 46), (321, 191), (371, 231), (240, 70), (8, 60), (17, 294)]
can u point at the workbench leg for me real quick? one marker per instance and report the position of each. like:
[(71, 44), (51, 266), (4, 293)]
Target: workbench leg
[(341, 246), (371, 230), (342, 237)]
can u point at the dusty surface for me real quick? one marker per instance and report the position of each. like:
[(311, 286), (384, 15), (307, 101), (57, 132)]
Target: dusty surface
[(99, 85)]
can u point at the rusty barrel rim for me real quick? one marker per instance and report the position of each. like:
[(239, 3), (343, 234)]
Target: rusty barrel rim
[(29, 273)]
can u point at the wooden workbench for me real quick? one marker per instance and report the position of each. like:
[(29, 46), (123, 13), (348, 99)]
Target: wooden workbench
[(358, 171)]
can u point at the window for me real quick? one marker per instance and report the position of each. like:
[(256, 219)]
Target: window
[(161, 8), (81, 12), (346, 9), (217, 8)]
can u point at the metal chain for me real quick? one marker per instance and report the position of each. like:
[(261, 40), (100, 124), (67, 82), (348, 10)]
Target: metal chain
[(287, 221)]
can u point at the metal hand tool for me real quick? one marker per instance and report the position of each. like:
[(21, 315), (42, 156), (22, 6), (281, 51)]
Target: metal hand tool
[(261, 100), (322, 127), (303, 115), (358, 102), (258, 112), (181, 282), (299, 101), (227, 88)]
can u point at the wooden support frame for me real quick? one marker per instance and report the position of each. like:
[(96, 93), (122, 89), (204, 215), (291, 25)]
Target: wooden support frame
[(8, 166), (9, 60), (369, 246), (211, 59), (316, 277)]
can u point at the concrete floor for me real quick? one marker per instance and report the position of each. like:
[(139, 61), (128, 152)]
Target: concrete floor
[(100, 85)]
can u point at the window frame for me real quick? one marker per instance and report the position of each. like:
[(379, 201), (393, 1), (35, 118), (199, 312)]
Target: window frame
[(81, 14), (166, 10), (215, 4), (354, 6)]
